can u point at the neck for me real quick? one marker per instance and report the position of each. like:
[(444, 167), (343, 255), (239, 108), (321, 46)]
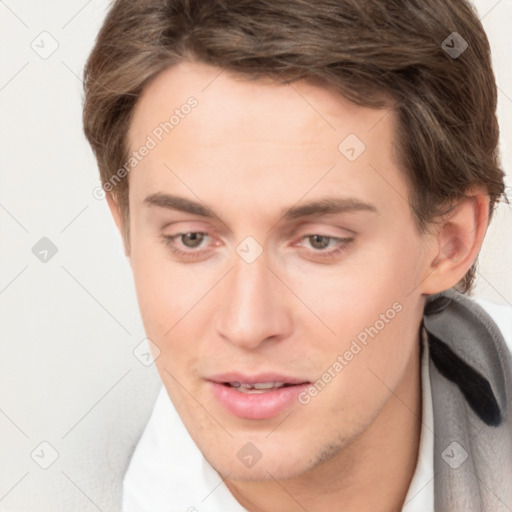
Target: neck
[(372, 473)]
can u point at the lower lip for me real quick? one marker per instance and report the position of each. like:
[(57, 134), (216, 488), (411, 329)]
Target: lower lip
[(256, 406)]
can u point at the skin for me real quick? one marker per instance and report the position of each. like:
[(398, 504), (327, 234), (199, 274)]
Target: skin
[(250, 151)]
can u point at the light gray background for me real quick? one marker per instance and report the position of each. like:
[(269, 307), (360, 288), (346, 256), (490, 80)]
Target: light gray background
[(69, 326)]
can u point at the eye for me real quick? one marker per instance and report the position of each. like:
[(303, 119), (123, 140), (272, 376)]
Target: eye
[(319, 241), (320, 244), (191, 240)]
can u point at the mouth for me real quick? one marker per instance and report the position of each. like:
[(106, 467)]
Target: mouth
[(257, 387), (256, 397)]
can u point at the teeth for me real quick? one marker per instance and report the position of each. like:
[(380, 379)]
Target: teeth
[(265, 385), (257, 387)]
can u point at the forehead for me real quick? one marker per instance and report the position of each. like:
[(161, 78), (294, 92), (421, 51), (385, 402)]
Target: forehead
[(243, 110), (252, 136)]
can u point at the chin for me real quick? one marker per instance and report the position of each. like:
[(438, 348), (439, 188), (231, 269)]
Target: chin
[(269, 461), (269, 470)]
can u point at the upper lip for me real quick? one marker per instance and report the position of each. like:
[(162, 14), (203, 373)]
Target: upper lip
[(257, 378)]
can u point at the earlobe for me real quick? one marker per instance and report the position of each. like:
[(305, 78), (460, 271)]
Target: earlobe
[(459, 237), (117, 214)]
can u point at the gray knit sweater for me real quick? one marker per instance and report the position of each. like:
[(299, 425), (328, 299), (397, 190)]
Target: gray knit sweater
[(471, 382)]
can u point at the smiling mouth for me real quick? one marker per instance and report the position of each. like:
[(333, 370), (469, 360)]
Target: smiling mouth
[(256, 397)]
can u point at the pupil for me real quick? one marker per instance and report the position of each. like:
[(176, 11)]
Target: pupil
[(192, 239)]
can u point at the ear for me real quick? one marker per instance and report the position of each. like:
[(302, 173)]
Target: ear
[(457, 241), (117, 214)]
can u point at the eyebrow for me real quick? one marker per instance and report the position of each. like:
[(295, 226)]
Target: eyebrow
[(325, 206)]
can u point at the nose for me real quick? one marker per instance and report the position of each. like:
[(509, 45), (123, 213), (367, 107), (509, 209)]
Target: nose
[(255, 308)]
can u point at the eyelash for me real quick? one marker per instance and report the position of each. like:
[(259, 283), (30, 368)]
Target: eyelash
[(168, 240)]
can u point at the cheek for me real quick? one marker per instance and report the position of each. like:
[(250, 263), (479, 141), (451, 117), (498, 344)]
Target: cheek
[(354, 293), (165, 289), (369, 305)]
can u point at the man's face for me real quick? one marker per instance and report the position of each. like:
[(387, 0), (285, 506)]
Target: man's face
[(263, 290)]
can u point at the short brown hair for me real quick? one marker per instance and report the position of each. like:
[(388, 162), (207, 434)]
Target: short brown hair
[(447, 134)]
